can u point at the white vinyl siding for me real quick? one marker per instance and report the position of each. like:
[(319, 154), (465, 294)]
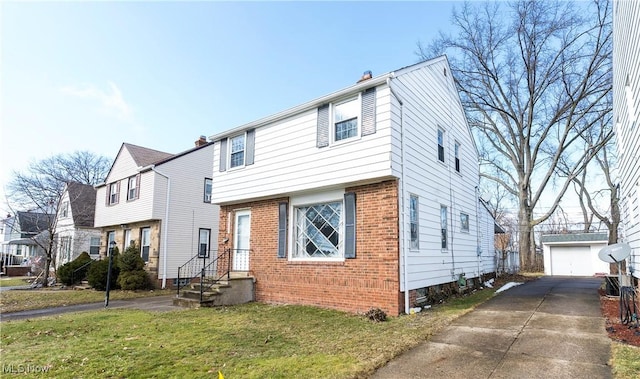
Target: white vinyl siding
[(187, 211), (626, 113), (425, 109), (288, 161), (186, 208)]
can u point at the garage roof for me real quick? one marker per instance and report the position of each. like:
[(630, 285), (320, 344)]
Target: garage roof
[(574, 237)]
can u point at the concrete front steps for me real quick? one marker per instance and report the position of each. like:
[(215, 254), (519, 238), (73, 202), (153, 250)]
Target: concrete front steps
[(238, 289)]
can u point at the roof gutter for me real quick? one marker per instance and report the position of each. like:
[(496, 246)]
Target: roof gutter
[(304, 107)]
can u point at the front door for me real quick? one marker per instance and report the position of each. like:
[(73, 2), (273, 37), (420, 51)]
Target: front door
[(241, 240)]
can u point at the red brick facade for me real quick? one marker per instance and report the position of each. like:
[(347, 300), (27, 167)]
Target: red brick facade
[(356, 285)]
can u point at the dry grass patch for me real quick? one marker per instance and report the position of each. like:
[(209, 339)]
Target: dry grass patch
[(625, 361), (22, 300), (248, 341), (13, 282)]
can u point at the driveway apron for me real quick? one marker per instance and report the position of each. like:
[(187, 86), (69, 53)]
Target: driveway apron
[(548, 328)]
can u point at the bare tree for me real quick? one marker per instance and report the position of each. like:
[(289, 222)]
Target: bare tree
[(40, 187), (533, 77), (591, 189)]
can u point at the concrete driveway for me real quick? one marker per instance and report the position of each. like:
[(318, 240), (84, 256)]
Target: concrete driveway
[(548, 328)]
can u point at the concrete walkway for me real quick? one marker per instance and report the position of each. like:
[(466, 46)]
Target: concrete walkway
[(153, 303), (548, 328)]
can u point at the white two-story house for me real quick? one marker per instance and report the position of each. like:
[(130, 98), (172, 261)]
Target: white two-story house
[(366, 197), (626, 113), (162, 202), (74, 224)]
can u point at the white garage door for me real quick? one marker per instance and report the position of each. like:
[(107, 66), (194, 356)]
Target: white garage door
[(571, 261)]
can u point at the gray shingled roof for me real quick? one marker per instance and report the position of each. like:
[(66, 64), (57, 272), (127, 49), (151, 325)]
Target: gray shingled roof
[(82, 198), (144, 156), (33, 223), (575, 237)]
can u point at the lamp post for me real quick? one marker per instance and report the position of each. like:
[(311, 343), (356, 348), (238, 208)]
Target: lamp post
[(112, 244)]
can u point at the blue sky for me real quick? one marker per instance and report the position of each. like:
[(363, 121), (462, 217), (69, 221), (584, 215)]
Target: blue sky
[(91, 75)]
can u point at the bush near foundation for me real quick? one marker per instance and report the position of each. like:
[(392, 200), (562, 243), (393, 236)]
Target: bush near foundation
[(132, 274), (66, 273), (97, 275)]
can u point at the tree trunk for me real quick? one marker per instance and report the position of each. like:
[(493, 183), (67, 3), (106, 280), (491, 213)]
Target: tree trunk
[(525, 236)]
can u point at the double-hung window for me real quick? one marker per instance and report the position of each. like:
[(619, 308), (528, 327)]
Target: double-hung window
[(113, 194), (64, 209), (464, 222), (145, 243), (94, 247), (345, 119), (203, 244), (237, 151), (440, 145), (443, 226), (65, 249), (208, 189), (132, 187), (111, 238), (127, 238), (413, 222)]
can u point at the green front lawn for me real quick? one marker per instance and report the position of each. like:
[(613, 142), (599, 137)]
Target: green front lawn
[(22, 300), (13, 282), (248, 341)]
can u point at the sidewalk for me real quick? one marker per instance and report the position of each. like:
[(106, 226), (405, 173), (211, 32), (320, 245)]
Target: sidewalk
[(153, 303), (548, 328)]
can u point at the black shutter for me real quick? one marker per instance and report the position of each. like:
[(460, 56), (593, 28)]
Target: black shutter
[(282, 229), (368, 122), (350, 225), (250, 147), (323, 126), (223, 154)]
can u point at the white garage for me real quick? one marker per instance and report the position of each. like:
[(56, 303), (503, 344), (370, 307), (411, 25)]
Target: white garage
[(574, 254)]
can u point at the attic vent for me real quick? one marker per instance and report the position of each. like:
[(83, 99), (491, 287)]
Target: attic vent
[(445, 71), (366, 76)]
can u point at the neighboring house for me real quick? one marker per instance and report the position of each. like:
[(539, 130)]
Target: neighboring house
[(74, 226), (363, 198), (574, 254), (163, 202), (626, 113), (19, 232)]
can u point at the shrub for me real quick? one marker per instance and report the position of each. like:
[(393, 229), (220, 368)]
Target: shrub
[(132, 274), (97, 274), (376, 314), (134, 280), (67, 273), (130, 260)]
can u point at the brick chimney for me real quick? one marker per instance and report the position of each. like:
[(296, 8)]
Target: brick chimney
[(201, 141), (366, 76)]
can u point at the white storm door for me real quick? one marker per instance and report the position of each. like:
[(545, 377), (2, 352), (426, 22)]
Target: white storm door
[(241, 239)]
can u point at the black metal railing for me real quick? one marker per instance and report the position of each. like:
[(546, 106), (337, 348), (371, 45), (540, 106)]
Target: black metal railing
[(75, 272), (211, 271), (190, 270), (211, 274)]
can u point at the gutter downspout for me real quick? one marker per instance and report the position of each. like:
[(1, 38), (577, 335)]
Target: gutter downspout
[(165, 227), (403, 249)]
